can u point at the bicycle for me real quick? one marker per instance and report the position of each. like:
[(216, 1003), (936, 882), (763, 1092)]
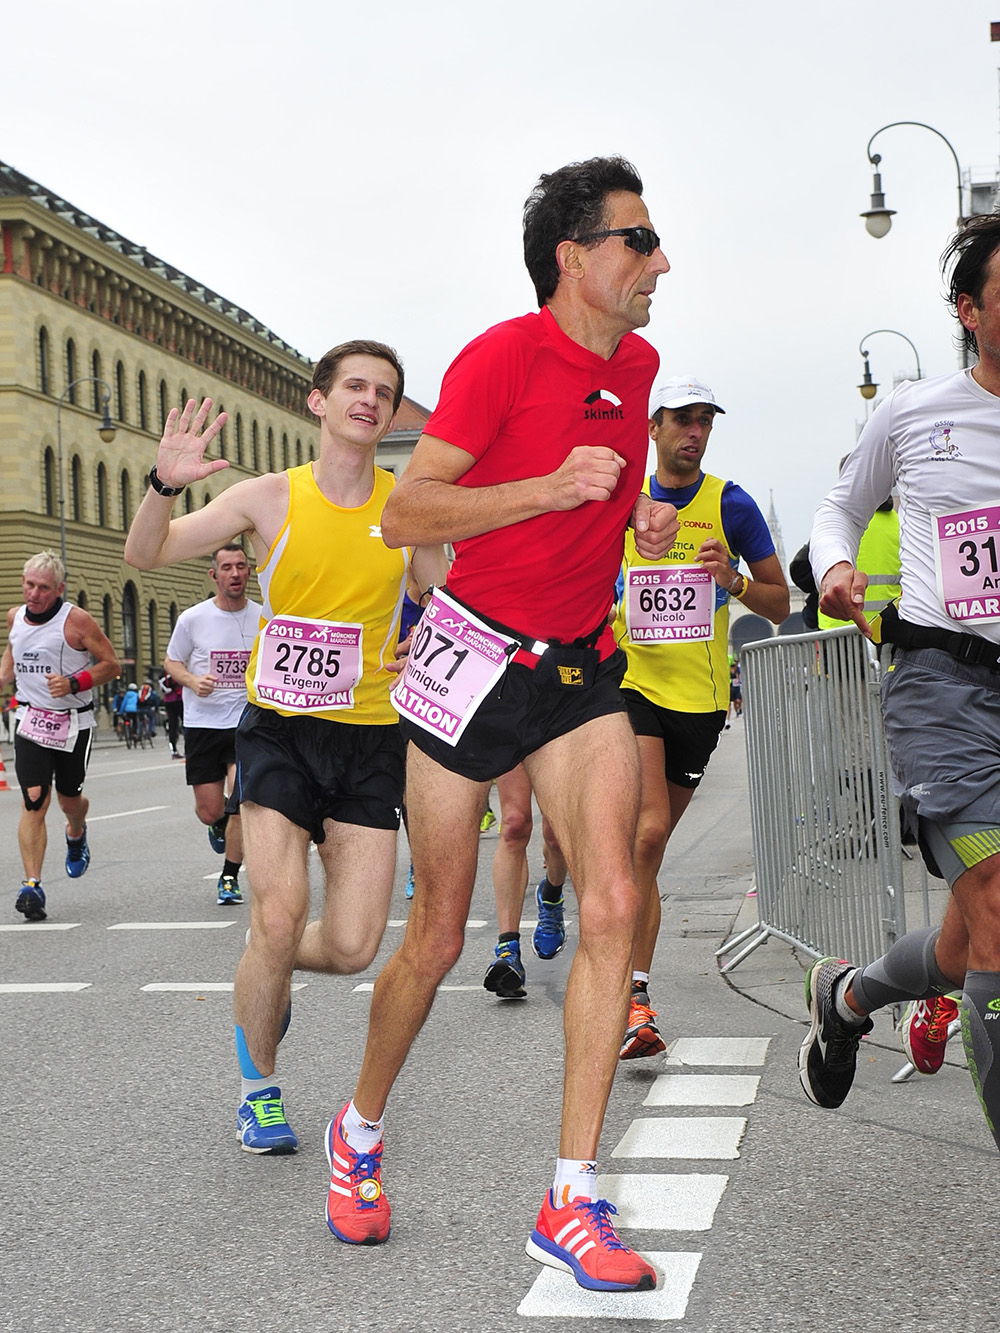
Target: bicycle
[(145, 730), (130, 730)]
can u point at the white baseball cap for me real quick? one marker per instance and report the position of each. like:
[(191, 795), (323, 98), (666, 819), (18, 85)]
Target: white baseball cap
[(682, 391)]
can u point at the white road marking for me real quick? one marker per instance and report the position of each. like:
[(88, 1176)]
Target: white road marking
[(717, 1051), (122, 814), (203, 987), (93, 772), (703, 1090), (370, 986), (557, 1295), (172, 925), (693, 1137), (663, 1203), (33, 927), (43, 987), (475, 924)]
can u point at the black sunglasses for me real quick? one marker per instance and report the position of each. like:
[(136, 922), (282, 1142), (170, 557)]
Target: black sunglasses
[(643, 240)]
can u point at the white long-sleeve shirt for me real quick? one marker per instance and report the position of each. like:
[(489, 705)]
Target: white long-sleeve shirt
[(938, 441)]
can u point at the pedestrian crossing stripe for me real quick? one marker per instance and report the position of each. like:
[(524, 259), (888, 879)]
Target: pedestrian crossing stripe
[(556, 1295), (43, 987), (33, 927)]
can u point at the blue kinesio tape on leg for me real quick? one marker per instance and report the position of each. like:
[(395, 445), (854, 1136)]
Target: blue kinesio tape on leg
[(247, 1067)]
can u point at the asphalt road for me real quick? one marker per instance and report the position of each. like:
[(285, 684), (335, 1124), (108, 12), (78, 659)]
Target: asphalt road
[(127, 1204)]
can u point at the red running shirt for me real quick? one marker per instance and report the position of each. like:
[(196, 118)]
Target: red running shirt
[(519, 398)]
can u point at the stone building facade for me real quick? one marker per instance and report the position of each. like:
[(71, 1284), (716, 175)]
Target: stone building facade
[(90, 320)]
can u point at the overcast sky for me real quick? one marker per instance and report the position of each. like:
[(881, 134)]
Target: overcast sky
[(359, 170)]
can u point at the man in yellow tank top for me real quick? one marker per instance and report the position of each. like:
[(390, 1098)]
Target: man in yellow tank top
[(319, 754), (673, 622)]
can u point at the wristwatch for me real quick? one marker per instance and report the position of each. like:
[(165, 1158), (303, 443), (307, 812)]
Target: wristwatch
[(159, 487), (74, 685), (735, 590)]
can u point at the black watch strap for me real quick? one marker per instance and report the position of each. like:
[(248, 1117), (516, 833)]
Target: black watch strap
[(159, 487)]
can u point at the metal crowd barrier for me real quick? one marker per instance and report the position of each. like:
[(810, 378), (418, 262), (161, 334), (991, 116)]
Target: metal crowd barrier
[(825, 823)]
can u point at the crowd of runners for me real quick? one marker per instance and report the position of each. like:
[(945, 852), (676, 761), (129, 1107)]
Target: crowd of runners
[(573, 649)]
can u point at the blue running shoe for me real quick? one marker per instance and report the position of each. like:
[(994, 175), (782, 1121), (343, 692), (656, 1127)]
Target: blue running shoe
[(77, 855), (31, 901), (229, 890), (217, 836), (550, 934), (261, 1125), (409, 882), (505, 976)]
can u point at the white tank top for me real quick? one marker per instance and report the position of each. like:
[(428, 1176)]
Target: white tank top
[(42, 650)]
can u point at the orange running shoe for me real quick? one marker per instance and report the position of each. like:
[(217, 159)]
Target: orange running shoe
[(356, 1209), (642, 1036), (579, 1238), (924, 1031)]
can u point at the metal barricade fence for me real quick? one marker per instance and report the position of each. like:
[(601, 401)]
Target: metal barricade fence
[(825, 823)]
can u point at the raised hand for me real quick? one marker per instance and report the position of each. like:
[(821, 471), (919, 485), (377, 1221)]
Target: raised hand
[(655, 526), (180, 459)]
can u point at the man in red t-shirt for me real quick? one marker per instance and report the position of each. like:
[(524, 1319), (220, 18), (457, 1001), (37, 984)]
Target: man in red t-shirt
[(532, 466)]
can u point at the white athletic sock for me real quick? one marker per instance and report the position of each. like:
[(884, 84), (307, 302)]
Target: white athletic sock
[(254, 1086), (642, 977), (574, 1180), (363, 1135), (843, 1009)]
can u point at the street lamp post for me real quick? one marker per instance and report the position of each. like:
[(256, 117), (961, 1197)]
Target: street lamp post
[(106, 430), (868, 388), (878, 218)]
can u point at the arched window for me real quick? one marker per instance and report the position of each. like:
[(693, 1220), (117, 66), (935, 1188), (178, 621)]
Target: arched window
[(81, 600), (70, 369), (164, 404), (126, 500), (173, 616), (184, 397), (51, 485), (222, 434), (286, 457), (298, 452), (239, 439), (141, 401), (205, 499), (102, 496), (108, 607), (130, 637), (254, 447), (270, 450), (76, 487), (44, 368), (154, 656), (312, 453), (120, 391), (95, 371), (187, 501)]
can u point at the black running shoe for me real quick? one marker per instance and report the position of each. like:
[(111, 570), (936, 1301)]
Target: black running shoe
[(829, 1055), (505, 975)]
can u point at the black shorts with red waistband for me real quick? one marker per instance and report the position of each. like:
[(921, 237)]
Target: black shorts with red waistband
[(525, 710)]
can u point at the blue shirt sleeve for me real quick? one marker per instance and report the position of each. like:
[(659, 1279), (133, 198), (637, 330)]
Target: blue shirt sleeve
[(744, 525)]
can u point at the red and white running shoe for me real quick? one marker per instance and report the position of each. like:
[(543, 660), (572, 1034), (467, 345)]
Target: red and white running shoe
[(579, 1238), (642, 1036), (356, 1209), (924, 1031)]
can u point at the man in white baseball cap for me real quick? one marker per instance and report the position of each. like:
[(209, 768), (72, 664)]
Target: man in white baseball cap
[(673, 622)]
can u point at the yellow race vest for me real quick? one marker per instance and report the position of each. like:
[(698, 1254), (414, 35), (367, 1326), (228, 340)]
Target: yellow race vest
[(687, 677), (331, 564)]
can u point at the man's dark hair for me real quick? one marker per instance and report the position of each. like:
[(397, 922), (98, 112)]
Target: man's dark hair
[(970, 251), (567, 203), (229, 546), (326, 366)]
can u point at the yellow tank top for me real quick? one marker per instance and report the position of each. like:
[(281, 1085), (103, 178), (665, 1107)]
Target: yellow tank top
[(688, 677), (330, 564)]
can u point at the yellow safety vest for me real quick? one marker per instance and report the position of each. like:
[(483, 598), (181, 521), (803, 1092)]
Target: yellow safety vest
[(878, 557)]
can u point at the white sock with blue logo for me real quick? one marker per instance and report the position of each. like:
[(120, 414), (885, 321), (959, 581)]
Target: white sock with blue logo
[(574, 1180), (363, 1135)]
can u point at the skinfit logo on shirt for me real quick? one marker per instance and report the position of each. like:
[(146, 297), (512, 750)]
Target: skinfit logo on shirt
[(602, 405)]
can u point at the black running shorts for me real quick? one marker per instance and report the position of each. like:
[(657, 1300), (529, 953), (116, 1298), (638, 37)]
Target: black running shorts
[(688, 738), (208, 752), (310, 769), (524, 711), (37, 765)]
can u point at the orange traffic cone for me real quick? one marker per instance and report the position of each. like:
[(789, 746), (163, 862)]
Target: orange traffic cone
[(3, 777)]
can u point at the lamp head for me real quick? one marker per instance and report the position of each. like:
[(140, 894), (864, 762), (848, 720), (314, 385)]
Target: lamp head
[(106, 430), (878, 218), (867, 388)]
